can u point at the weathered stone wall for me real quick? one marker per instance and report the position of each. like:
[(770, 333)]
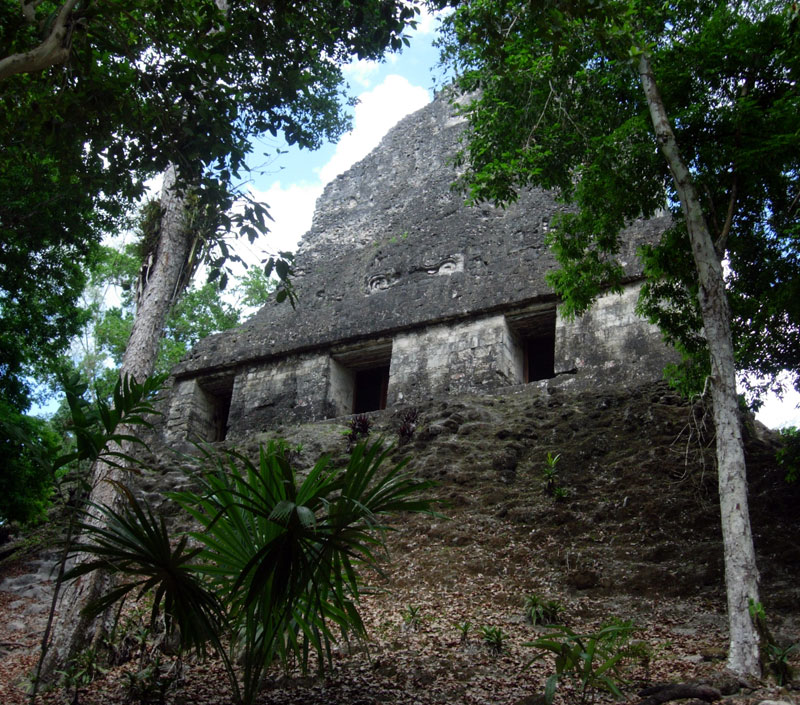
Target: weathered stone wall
[(485, 353), (199, 406), (393, 248), (189, 412), (611, 339), (290, 389), (454, 357), (396, 272)]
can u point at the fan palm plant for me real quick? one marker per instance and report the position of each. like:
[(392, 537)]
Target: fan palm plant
[(137, 548), (283, 553), (275, 569)]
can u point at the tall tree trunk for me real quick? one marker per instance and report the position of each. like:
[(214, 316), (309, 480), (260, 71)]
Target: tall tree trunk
[(73, 631), (741, 573)]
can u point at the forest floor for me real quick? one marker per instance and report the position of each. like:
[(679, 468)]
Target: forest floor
[(637, 539)]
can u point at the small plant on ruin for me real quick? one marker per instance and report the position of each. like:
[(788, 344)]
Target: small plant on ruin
[(294, 452), (774, 656), (464, 629), (80, 672), (152, 682), (550, 472), (408, 424), (494, 639), (412, 618), (358, 429), (141, 639), (593, 662), (560, 493), (550, 477), (539, 611), (778, 661)]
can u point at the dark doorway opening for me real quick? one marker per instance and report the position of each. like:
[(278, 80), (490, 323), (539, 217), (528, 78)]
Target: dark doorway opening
[(219, 395), (535, 331), (540, 357), (360, 377), (370, 389)]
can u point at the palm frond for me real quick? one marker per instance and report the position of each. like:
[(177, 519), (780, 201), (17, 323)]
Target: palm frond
[(133, 544), (284, 554)]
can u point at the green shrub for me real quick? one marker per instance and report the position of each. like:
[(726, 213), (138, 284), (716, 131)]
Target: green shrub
[(550, 478), (774, 656), (137, 547), (593, 662), (283, 553), (80, 672), (494, 638), (464, 629), (358, 429), (276, 567), (408, 424), (151, 683), (778, 661), (539, 611), (412, 618), (789, 455), (274, 573)]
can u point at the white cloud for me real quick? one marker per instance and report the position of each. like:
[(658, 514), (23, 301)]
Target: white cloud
[(361, 72), (779, 413), (377, 111), (426, 21), (292, 209)]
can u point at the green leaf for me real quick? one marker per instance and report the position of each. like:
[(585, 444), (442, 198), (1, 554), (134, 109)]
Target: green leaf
[(550, 688)]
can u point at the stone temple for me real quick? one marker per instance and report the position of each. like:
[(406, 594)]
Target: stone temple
[(406, 294)]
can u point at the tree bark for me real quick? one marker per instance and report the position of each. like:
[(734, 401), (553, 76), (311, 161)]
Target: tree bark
[(741, 573), (53, 50), (73, 631), (162, 282)]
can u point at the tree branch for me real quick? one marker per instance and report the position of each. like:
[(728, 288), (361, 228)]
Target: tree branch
[(541, 116), (29, 9), (53, 50), (722, 240), (677, 691), (794, 202), (712, 211)]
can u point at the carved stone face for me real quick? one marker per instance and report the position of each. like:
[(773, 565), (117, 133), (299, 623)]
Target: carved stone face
[(387, 278), (448, 265), (380, 282)]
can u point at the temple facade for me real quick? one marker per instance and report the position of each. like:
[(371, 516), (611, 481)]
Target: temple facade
[(405, 293)]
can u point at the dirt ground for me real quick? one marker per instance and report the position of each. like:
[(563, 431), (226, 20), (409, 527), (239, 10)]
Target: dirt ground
[(636, 537)]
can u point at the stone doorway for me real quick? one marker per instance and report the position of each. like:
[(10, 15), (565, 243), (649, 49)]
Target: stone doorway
[(360, 377), (218, 395), (535, 333), (370, 389)]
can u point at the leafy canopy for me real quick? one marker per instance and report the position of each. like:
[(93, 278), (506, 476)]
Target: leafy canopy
[(143, 85), (29, 448), (555, 101)]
